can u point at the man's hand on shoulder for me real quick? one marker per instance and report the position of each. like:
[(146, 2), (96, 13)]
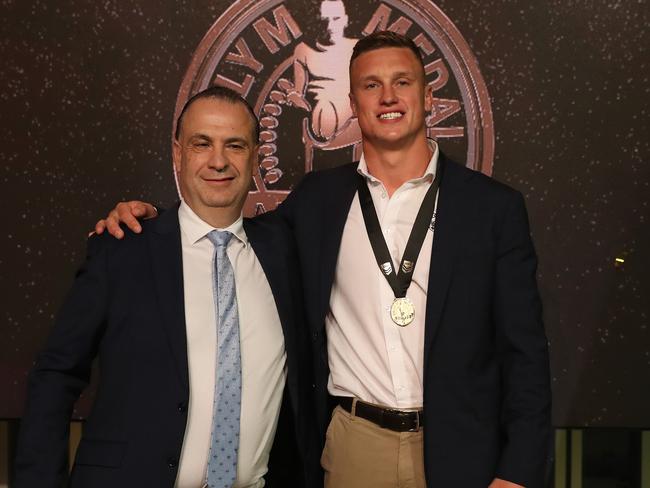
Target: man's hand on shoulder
[(499, 483), (127, 213)]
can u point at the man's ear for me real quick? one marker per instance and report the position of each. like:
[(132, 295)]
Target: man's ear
[(353, 105), (256, 159), (428, 97), (176, 155)]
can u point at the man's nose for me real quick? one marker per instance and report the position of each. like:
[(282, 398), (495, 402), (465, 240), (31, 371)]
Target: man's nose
[(388, 95), (219, 160)]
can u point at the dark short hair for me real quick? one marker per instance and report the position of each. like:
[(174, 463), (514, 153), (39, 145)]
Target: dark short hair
[(220, 93), (383, 39)]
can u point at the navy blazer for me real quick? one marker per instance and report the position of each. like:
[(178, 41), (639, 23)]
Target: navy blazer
[(486, 375), (126, 307)]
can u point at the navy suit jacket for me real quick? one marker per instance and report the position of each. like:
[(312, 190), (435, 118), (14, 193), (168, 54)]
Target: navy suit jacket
[(486, 377), (126, 307)]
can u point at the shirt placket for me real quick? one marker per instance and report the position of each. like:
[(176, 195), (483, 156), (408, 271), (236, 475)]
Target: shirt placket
[(388, 211)]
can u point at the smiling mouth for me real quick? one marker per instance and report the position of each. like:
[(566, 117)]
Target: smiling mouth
[(391, 116), (219, 180)]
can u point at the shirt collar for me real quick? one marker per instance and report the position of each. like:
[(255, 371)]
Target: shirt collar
[(428, 175), (196, 228)]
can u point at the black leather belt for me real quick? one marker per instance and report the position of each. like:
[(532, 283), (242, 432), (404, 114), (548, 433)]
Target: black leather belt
[(387, 418)]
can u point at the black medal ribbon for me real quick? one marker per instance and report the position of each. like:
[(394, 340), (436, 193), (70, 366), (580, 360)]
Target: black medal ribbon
[(398, 281)]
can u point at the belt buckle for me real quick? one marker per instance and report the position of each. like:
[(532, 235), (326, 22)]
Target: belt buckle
[(417, 422), (403, 418)]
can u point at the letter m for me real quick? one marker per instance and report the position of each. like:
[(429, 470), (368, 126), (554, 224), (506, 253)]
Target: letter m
[(272, 34), (379, 22)]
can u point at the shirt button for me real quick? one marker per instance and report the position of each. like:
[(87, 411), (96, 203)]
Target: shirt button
[(182, 407), (172, 462)]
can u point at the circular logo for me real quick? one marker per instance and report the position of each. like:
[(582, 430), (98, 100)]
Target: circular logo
[(290, 59)]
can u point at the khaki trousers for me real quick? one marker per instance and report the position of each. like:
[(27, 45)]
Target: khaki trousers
[(360, 454)]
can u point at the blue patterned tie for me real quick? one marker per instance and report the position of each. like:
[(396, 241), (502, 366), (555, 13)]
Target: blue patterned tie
[(224, 444)]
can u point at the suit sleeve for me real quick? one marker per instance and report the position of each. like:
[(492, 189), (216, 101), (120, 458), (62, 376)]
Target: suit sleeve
[(523, 353), (61, 372)]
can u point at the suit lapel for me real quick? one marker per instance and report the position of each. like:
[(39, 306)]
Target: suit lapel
[(334, 215), (167, 269), (444, 249)]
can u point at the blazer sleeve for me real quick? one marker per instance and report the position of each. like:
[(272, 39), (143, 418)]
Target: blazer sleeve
[(61, 372), (523, 353)]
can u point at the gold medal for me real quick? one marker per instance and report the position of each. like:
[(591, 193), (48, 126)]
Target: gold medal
[(402, 311)]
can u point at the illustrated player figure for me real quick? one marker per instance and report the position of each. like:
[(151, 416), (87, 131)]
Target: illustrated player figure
[(322, 73)]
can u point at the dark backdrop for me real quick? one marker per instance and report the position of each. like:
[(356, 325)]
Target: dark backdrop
[(86, 110)]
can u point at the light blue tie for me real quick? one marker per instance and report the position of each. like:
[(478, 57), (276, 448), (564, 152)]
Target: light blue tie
[(224, 443)]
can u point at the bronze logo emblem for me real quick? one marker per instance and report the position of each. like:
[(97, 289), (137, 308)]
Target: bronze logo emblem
[(290, 61)]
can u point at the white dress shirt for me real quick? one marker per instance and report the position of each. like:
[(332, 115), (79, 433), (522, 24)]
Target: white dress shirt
[(263, 356), (371, 357)]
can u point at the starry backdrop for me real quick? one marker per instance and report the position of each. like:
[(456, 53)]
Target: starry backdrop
[(86, 109)]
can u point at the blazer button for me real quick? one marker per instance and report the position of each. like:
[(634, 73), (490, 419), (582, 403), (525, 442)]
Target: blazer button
[(315, 336), (182, 407), (172, 462)]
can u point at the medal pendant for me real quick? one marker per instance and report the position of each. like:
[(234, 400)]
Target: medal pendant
[(402, 311)]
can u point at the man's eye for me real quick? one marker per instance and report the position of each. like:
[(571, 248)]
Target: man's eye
[(371, 85), (403, 82), (235, 146)]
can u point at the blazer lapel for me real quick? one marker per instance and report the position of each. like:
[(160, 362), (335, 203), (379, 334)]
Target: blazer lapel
[(443, 253), (167, 269), (334, 214)]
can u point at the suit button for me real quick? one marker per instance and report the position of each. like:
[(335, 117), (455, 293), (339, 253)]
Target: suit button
[(315, 336), (172, 462), (182, 407)]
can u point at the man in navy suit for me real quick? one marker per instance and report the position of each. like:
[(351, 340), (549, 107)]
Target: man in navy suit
[(145, 308), (431, 348)]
